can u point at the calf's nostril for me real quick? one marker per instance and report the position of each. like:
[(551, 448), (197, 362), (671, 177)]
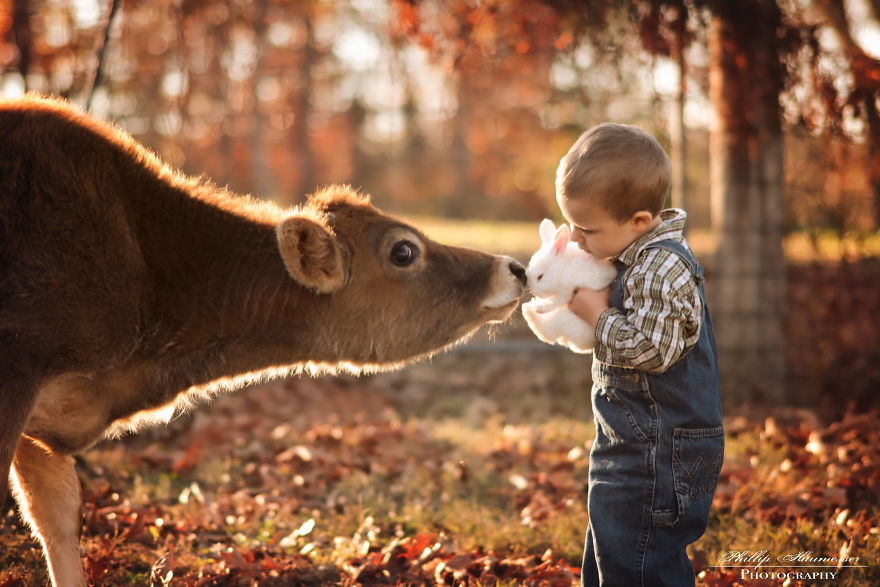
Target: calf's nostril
[(518, 271)]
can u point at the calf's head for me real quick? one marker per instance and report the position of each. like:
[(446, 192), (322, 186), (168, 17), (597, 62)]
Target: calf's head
[(387, 292)]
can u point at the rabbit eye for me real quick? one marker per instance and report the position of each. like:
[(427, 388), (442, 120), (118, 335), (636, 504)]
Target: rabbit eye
[(540, 277)]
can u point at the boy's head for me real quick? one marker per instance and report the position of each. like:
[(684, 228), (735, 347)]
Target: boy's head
[(612, 184)]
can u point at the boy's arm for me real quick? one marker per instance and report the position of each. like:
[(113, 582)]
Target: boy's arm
[(589, 304), (652, 334)]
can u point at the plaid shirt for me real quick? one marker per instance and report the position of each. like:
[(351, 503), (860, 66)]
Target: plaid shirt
[(662, 303)]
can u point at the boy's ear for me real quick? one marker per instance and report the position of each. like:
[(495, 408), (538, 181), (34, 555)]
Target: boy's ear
[(311, 254), (560, 240), (641, 219), (547, 230)]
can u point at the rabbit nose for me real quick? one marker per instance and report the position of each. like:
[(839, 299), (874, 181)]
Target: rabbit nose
[(518, 271)]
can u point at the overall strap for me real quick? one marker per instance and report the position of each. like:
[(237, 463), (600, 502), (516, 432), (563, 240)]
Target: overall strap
[(668, 245), (683, 252)]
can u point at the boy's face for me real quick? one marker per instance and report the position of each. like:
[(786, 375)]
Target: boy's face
[(599, 234)]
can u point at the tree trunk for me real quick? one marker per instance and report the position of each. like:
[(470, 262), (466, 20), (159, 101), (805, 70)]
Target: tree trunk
[(872, 115), (746, 191), (866, 71), (461, 155), (678, 130), (21, 32), (302, 109), (262, 180)]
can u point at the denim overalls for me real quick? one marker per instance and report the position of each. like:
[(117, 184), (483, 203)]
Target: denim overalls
[(655, 460)]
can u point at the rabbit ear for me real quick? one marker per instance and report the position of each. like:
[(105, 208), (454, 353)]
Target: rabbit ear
[(560, 240), (547, 229)]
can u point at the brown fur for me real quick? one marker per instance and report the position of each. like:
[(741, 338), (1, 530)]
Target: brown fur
[(127, 288)]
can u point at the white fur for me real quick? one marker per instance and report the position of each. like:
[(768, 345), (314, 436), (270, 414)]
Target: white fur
[(555, 271)]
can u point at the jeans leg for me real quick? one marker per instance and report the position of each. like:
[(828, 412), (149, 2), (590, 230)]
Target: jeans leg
[(621, 489), (667, 562), (620, 533), (589, 570)]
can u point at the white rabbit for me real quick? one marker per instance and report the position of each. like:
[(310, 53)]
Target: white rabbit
[(554, 272)]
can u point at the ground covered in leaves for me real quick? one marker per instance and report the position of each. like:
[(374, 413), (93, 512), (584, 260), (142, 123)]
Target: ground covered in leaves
[(469, 470)]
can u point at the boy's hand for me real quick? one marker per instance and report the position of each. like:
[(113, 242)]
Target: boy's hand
[(589, 304)]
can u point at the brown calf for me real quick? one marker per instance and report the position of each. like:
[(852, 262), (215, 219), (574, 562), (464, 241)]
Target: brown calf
[(127, 289)]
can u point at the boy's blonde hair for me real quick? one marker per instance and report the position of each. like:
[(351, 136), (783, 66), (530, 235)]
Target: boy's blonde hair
[(619, 167)]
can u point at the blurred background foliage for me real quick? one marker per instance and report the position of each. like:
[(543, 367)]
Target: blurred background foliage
[(455, 108)]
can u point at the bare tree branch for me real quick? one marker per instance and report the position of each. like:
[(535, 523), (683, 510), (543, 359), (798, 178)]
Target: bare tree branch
[(21, 32), (99, 69)]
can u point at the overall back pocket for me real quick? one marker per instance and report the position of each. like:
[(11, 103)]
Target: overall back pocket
[(697, 455)]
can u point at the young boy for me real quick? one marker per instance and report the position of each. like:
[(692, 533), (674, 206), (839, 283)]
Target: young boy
[(656, 403)]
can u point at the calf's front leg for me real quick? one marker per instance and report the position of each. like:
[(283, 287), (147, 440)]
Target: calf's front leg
[(47, 490)]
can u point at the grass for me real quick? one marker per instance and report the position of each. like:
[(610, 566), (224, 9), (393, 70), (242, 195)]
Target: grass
[(328, 472), (784, 502), (509, 237)]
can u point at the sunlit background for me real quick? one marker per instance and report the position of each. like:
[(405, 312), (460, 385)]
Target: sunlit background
[(275, 98)]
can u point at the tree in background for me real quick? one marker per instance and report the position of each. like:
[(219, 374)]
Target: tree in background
[(852, 100), (745, 82), (764, 54)]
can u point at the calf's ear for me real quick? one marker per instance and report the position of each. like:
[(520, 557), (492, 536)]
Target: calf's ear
[(311, 254)]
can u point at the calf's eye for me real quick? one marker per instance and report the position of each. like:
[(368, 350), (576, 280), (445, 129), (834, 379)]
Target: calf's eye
[(403, 253)]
